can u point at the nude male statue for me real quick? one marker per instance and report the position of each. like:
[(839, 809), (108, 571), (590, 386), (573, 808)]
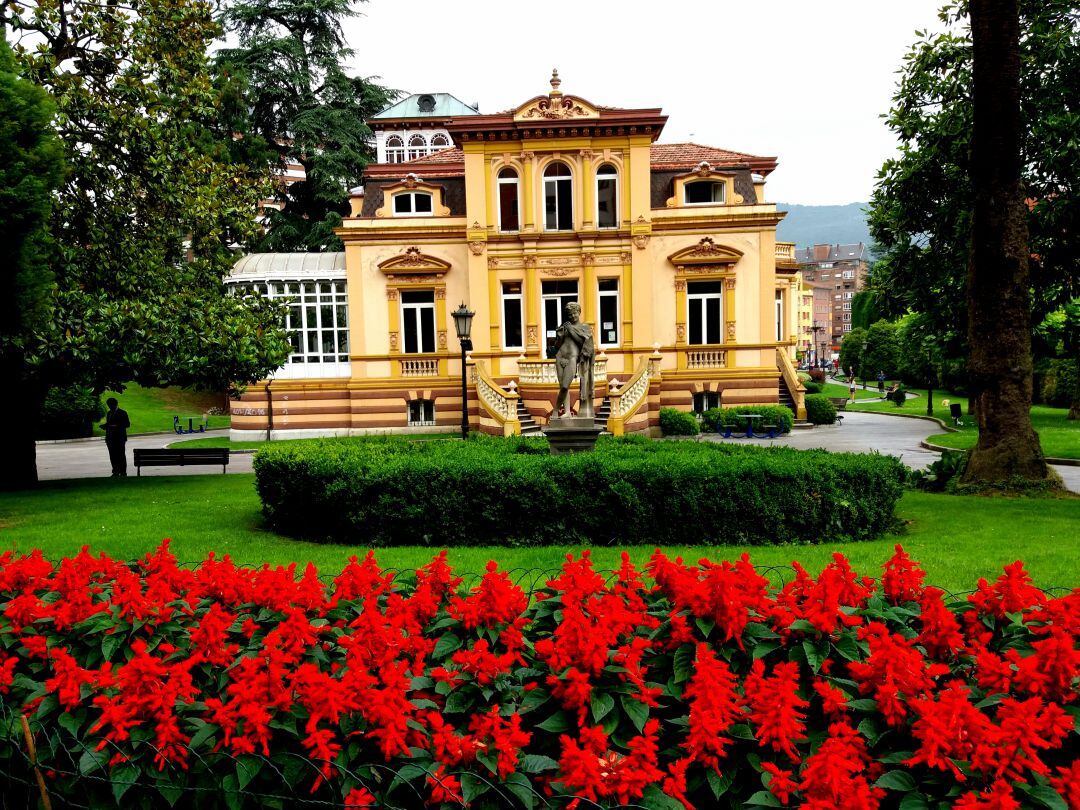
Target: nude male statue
[(574, 353)]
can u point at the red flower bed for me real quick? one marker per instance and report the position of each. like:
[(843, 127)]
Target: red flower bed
[(685, 686)]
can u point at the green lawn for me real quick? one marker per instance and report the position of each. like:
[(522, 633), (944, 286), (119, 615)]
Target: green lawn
[(834, 390), (957, 538), (151, 410), (224, 441), (1059, 436)]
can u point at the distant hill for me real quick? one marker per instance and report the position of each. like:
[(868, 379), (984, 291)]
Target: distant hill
[(807, 225)]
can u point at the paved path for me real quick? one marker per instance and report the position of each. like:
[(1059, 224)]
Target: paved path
[(90, 459), (861, 432)]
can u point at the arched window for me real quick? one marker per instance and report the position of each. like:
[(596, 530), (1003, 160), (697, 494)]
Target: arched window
[(558, 198), (440, 141), (509, 219), (395, 149), (703, 192), (607, 197), (417, 147)]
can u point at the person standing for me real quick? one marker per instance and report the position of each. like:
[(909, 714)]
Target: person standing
[(881, 382), (116, 426), (851, 384)]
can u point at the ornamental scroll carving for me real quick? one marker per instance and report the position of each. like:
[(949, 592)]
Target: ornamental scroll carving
[(393, 341), (641, 240), (731, 330), (680, 285), (476, 247), (532, 335), (442, 340), (555, 109), (680, 332), (391, 294)]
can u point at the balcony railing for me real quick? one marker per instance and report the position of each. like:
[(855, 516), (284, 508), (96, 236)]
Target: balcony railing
[(420, 367), (542, 372), (706, 358), (785, 251)]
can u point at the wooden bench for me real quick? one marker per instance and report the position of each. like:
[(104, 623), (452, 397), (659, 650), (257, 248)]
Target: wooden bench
[(181, 458), (839, 402)]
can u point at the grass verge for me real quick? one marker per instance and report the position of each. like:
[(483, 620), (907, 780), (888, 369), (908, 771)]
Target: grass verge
[(958, 539), (151, 410), (1060, 437), (224, 441)]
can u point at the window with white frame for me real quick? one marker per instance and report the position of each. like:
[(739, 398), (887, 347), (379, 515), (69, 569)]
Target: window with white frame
[(512, 316), (558, 198), (778, 314), (825, 265), (849, 274), (608, 297), (418, 147), (317, 319), (418, 321), (847, 327), (439, 141), (847, 316), (703, 192), (706, 400), (412, 204), (607, 197), (847, 305), (849, 295), (395, 149), (509, 194), (705, 302), (421, 412)]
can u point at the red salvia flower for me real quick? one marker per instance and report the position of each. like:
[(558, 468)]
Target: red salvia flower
[(715, 706), (902, 579), (998, 797), (781, 784), (775, 706)]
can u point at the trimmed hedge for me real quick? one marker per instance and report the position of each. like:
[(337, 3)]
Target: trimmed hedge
[(813, 387), (820, 409), (674, 422), (392, 491), (780, 415), (69, 413)]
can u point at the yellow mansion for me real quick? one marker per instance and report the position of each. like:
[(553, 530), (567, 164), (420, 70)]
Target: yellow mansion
[(670, 249)]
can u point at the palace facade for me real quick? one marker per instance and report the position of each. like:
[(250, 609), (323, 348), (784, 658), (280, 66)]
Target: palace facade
[(669, 248)]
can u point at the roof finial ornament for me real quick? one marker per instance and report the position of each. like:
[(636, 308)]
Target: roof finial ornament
[(555, 82)]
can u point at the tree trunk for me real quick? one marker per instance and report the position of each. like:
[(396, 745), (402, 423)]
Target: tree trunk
[(999, 320), (18, 451), (1074, 405), (929, 401)]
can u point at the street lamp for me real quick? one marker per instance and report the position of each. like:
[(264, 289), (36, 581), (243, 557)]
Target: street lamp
[(463, 324), (816, 329)]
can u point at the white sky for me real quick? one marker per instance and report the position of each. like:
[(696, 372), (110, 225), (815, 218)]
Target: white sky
[(805, 81)]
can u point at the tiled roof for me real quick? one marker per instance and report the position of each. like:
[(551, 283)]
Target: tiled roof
[(451, 155), (689, 155), (831, 253), (444, 105)]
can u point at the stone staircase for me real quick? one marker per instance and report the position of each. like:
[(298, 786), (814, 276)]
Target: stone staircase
[(528, 424), (602, 414), (788, 401)]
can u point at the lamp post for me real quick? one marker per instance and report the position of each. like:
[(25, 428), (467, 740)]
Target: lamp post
[(463, 324), (816, 329)]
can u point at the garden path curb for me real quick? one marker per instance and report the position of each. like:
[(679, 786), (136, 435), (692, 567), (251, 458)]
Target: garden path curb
[(940, 448)]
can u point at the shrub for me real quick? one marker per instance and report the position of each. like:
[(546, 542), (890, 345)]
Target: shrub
[(1059, 387), (779, 415), (390, 491), (820, 410), (941, 474), (674, 422), (817, 375), (149, 685), (69, 413), (813, 387)]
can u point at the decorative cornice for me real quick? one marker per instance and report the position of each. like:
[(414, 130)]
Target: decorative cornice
[(705, 252), (412, 262)]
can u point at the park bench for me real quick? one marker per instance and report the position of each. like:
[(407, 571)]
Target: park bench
[(181, 458), (839, 402)]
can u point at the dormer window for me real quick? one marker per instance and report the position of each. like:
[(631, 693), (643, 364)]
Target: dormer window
[(395, 149), (703, 192), (439, 141), (412, 204), (607, 197), (417, 147)]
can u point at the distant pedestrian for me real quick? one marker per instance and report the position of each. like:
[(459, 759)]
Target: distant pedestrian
[(835, 366), (851, 386), (116, 426), (881, 382)]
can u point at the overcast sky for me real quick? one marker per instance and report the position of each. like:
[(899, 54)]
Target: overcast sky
[(805, 81)]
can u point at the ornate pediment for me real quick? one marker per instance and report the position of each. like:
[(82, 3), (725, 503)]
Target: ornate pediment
[(705, 252), (555, 106), (411, 262)]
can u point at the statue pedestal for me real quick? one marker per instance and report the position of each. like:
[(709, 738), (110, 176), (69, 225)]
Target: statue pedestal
[(572, 434)]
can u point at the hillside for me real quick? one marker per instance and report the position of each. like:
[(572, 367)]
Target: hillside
[(819, 224)]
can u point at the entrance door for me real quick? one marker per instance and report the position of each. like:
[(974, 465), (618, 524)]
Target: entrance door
[(555, 295)]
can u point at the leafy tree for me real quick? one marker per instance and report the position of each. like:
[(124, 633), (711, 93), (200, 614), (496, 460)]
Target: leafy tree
[(998, 276), (881, 352), (145, 226), (31, 167), (864, 309), (920, 212), (288, 67), (851, 349), (920, 356)]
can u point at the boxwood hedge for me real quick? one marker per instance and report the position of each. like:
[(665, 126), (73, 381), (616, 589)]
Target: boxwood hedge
[(779, 415), (485, 491)]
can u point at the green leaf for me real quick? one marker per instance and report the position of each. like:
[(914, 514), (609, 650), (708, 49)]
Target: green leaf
[(230, 791), (742, 731), (70, 723), (247, 768), (1045, 795), (602, 703), (683, 664), (122, 777), (718, 783), (556, 724), (655, 799), (895, 757), (914, 801), (862, 704), (896, 780), (816, 653), (533, 700), (637, 712), (848, 647), (472, 787), (205, 732), (520, 786), (446, 645), (763, 648), (488, 760), (537, 763), (458, 702), (764, 798), (705, 626), (109, 645), (92, 763)]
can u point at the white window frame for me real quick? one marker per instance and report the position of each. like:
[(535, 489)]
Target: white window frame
[(567, 178), (499, 182), (417, 150), (395, 149), (418, 306), (421, 422), (412, 195), (703, 297), (438, 147), (778, 307), (518, 296), (600, 295), (614, 177), (714, 184), (849, 274), (563, 298), (302, 295)]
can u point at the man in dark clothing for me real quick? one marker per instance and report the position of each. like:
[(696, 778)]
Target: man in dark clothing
[(116, 425)]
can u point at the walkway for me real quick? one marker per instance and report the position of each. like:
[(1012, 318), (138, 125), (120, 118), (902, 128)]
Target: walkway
[(90, 459), (862, 432)]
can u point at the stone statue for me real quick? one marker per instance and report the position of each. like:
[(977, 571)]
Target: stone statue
[(574, 354)]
